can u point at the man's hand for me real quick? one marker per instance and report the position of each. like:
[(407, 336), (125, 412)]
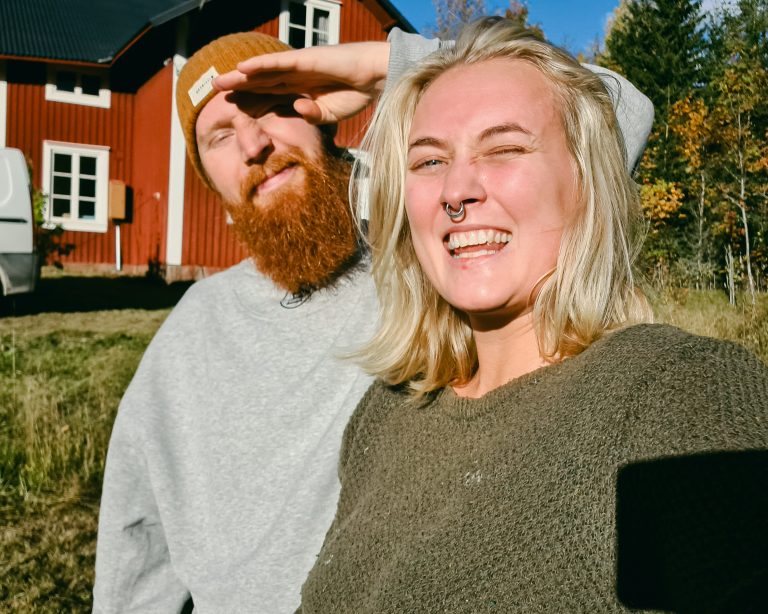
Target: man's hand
[(336, 81)]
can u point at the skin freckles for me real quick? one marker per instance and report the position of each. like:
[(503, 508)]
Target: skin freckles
[(500, 148)]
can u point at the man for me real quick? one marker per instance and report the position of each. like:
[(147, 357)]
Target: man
[(220, 480), (221, 474)]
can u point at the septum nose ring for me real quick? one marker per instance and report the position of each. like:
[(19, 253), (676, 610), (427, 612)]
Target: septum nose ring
[(452, 213)]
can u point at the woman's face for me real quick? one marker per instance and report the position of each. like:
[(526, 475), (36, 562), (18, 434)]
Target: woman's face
[(489, 135)]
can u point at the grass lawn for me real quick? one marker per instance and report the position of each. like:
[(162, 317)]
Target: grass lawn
[(65, 360), (66, 355)]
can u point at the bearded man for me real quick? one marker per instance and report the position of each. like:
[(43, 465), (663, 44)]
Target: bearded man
[(221, 477), (221, 474)]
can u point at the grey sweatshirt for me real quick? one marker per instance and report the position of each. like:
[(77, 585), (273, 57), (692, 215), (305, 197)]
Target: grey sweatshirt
[(221, 475)]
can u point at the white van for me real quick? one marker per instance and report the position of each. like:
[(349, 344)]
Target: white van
[(19, 268)]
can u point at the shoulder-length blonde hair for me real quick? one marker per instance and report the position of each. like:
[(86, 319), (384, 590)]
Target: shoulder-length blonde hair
[(423, 340)]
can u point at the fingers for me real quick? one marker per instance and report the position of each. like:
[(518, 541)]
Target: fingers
[(282, 60), (231, 80), (271, 82), (310, 111)]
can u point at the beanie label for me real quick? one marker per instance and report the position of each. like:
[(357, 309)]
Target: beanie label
[(203, 86)]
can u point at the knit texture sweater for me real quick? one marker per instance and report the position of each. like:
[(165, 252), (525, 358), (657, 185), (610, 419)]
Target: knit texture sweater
[(506, 503)]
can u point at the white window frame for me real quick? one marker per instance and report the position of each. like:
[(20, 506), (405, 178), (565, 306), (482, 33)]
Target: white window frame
[(331, 6), (101, 153), (103, 99)]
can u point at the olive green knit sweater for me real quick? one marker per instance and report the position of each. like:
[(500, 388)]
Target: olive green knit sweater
[(506, 503)]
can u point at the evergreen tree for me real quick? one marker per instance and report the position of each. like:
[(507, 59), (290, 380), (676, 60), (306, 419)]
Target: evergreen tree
[(658, 45)]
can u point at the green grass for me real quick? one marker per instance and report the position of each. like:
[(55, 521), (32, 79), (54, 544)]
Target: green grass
[(61, 378)]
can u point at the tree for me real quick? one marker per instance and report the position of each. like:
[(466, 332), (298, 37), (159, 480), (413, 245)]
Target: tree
[(741, 150), (518, 12), (690, 120), (452, 15), (658, 45)]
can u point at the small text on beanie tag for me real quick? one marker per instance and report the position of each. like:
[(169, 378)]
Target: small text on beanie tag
[(203, 86)]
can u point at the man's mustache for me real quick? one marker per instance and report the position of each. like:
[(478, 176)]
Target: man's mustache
[(259, 173)]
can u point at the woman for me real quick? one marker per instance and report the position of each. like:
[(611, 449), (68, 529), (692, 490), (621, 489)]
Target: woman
[(517, 369)]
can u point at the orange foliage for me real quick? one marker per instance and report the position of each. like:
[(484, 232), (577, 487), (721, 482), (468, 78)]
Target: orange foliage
[(661, 202)]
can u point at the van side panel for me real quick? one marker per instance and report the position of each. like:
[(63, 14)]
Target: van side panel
[(15, 205), (18, 262)]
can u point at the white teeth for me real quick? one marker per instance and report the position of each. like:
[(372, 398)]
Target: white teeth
[(475, 254), (477, 237)]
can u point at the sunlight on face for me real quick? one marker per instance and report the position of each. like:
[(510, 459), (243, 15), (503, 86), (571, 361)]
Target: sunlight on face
[(235, 133), (489, 135)]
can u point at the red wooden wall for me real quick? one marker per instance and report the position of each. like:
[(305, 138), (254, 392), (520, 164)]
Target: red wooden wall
[(144, 238), (32, 119)]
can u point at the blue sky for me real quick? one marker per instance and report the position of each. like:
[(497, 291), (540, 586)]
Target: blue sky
[(571, 23)]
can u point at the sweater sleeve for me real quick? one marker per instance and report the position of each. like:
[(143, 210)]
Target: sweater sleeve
[(634, 110), (405, 50), (133, 566)]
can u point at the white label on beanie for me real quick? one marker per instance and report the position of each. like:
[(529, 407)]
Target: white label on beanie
[(203, 86)]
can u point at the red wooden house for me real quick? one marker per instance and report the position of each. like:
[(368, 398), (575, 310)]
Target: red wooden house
[(86, 93)]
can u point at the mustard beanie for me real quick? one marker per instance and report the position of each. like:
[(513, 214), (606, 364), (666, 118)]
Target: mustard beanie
[(194, 88)]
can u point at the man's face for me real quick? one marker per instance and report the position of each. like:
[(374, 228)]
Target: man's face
[(286, 195), (236, 132)]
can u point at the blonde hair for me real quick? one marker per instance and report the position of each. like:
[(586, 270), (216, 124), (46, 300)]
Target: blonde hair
[(423, 340)]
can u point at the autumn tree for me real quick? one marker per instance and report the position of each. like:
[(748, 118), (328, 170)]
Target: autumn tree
[(690, 120), (741, 153), (452, 15)]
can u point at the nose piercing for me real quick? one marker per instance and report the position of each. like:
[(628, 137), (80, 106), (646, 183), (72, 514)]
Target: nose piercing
[(452, 213)]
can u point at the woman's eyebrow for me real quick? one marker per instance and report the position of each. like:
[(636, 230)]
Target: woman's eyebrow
[(426, 141), (503, 129)]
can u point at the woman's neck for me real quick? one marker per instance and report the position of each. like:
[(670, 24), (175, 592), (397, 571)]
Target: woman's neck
[(504, 352)]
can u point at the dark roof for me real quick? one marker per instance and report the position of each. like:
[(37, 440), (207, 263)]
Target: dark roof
[(405, 25), (92, 31)]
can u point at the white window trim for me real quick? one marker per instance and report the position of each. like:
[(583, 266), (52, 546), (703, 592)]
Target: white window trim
[(102, 186), (103, 100), (332, 6), (3, 104)]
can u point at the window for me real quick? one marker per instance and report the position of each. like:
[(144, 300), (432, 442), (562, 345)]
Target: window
[(75, 178), (83, 86), (307, 23)]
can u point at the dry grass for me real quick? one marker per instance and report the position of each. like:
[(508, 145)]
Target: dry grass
[(708, 313)]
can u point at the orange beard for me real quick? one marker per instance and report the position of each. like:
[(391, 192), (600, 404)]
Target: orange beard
[(301, 234)]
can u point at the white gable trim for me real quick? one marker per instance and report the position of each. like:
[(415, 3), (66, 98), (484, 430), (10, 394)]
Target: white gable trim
[(3, 104), (176, 175)]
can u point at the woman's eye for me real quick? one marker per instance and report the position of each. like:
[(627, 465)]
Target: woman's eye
[(507, 150), (426, 164)]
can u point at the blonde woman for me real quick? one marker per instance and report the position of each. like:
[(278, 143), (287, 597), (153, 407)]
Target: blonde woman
[(518, 370)]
